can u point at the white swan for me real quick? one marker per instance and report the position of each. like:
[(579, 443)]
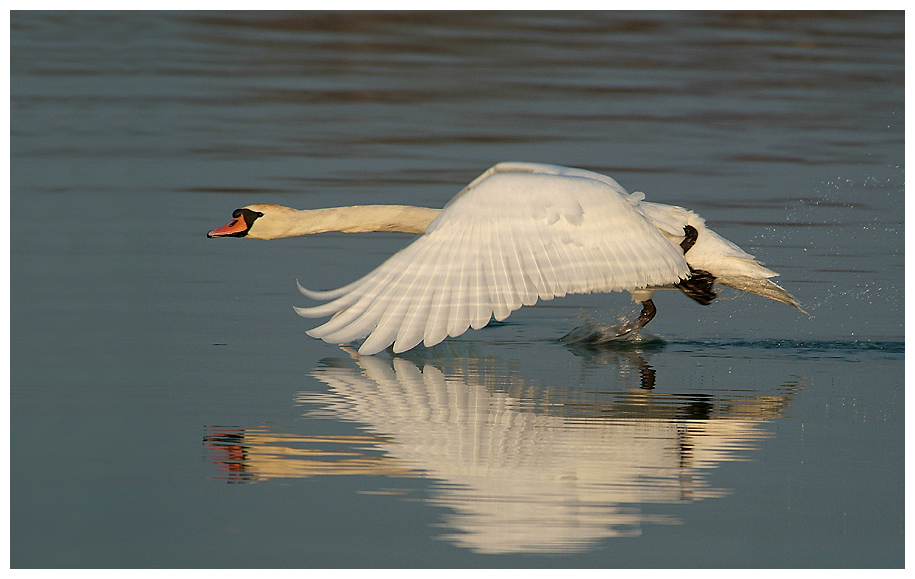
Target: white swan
[(517, 233)]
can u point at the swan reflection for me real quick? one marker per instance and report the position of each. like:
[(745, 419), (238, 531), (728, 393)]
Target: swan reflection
[(522, 466)]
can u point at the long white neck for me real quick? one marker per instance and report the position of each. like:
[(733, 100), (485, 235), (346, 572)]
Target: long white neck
[(279, 221)]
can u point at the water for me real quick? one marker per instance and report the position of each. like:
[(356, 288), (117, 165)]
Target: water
[(167, 408)]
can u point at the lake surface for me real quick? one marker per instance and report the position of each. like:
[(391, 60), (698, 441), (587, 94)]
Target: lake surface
[(167, 408)]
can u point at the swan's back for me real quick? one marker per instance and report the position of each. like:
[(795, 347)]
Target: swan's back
[(518, 233)]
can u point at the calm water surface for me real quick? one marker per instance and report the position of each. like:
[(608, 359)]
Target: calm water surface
[(167, 408)]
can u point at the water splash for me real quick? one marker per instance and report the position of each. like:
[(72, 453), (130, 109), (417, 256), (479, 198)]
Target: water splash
[(595, 333)]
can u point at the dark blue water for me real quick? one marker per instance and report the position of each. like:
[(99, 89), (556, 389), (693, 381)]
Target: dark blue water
[(168, 410)]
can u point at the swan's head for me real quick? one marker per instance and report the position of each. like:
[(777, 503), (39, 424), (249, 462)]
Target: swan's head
[(259, 221)]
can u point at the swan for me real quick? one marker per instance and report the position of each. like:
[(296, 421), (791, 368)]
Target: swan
[(517, 233)]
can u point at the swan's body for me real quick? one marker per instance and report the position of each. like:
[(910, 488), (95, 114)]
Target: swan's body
[(518, 233)]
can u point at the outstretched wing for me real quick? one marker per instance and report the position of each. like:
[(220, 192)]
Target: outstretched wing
[(519, 233)]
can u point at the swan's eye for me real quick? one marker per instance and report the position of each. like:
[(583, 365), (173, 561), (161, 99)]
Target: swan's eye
[(248, 215)]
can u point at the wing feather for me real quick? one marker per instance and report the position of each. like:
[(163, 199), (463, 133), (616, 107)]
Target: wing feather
[(524, 289), (396, 300), (415, 318), (375, 279), (325, 295), (478, 286), (358, 320), (502, 287), (355, 321), (459, 316), (544, 267), (518, 233), (436, 328)]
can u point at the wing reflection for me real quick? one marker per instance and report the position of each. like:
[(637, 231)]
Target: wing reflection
[(522, 466)]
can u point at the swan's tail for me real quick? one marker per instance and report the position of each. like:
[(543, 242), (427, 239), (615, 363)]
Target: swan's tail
[(730, 265), (761, 287)]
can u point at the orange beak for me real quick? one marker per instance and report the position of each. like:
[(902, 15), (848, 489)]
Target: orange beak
[(234, 228)]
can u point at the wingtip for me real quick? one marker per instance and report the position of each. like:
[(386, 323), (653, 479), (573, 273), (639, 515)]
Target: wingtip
[(305, 291)]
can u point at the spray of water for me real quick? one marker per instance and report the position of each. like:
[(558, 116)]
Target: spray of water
[(593, 332)]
